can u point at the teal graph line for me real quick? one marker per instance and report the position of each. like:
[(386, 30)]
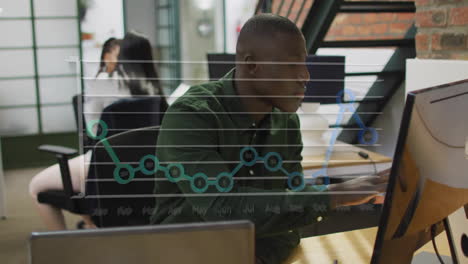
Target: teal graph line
[(224, 181), (323, 172)]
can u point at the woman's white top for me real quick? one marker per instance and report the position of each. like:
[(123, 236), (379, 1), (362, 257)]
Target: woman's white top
[(101, 92)]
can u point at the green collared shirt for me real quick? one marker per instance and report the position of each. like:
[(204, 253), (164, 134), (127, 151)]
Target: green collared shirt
[(203, 133)]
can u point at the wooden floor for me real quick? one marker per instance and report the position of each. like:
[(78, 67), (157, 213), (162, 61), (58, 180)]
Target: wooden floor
[(350, 247), (22, 217)]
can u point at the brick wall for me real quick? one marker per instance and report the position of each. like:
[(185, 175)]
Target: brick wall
[(297, 9), (442, 25), (442, 29), (370, 26), (350, 26)]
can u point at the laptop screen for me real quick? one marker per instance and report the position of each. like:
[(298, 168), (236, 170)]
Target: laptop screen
[(221, 242)]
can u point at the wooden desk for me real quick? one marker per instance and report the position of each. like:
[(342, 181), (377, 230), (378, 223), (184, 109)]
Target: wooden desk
[(344, 163), (346, 155), (350, 247)]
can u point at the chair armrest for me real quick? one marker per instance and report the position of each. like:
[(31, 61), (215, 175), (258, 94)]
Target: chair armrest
[(60, 150), (62, 154)]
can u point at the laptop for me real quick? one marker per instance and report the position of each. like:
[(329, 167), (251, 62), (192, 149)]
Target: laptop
[(217, 242)]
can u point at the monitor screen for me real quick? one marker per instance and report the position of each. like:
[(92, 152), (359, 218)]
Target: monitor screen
[(219, 64), (326, 75), (429, 178)]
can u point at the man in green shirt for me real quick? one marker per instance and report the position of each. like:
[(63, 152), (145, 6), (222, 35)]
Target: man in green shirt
[(231, 149)]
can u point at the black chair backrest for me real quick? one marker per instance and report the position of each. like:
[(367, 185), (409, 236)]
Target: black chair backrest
[(77, 100), (132, 113), (122, 116), (115, 204)]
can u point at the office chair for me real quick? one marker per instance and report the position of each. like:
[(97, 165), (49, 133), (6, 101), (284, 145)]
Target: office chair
[(123, 115), (62, 198), (112, 203)]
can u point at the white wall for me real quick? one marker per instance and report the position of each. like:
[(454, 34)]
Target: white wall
[(356, 60), (195, 47), (104, 19), (57, 27), (389, 121), (237, 13), (419, 74), (141, 16), (427, 73)]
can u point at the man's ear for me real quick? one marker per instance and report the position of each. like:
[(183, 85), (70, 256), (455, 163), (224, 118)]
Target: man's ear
[(251, 64)]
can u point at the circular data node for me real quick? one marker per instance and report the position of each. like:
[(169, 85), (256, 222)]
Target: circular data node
[(199, 183), (296, 182), (124, 173), (322, 181), (248, 156), (224, 182), (174, 172), (368, 136), (273, 161), (101, 126), (149, 164)]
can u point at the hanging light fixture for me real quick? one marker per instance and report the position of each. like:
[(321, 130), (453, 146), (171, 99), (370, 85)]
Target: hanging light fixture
[(205, 25)]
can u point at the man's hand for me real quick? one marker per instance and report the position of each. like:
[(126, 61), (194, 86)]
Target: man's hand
[(350, 190)]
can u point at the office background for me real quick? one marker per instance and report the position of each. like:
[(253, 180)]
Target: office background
[(42, 40)]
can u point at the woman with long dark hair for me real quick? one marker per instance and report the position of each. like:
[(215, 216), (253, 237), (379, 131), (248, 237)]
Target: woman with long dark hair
[(109, 56), (137, 68), (135, 75)]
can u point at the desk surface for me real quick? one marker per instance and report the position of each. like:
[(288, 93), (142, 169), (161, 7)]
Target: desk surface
[(350, 247), (345, 156)]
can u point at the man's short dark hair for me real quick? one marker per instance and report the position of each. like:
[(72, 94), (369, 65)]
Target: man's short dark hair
[(267, 25)]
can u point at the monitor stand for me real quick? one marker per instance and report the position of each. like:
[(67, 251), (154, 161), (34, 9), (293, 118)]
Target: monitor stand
[(455, 227)]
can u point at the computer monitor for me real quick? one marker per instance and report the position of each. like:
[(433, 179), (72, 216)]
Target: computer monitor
[(219, 64), (327, 75), (429, 177), (221, 242)]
